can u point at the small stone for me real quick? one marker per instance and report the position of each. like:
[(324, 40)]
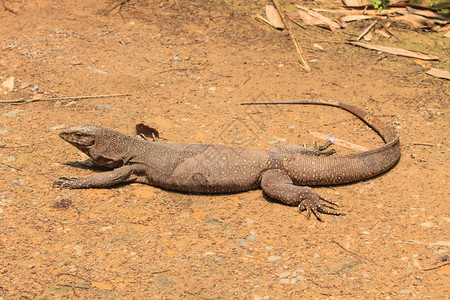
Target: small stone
[(103, 107), (285, 280), (285, 274), (58, 127), (3, 131), (208, 253), (405, 291), (12, 113), (242, 242), (427, 224), (257, 298), (185, 120), (212, 89), (1, 210), (273, 258), (251, 238), (18, 182)]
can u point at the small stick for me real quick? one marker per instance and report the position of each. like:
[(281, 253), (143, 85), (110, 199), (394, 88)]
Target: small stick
[(11, 147), (14, 101), (423, 144), (437, 267), (389, 31), (356, 254), (301, 58), (12, 167), (367, 30), (8, 9)]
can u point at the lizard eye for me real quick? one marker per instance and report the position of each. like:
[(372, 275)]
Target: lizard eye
[(78, 135)]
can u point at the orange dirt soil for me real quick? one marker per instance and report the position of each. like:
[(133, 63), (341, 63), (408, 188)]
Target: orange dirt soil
[(186, 66)]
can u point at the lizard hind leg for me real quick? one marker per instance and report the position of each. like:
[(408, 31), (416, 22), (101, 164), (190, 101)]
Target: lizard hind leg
[(278, 185), (303, 150)]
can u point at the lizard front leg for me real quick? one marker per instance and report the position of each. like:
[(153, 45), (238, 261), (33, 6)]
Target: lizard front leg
[(123, 174), (278, 185)]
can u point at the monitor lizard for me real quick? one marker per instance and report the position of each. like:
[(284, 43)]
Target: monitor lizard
[(283, 173)]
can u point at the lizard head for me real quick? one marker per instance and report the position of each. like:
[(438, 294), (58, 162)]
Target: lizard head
[(106, 147), (82, 137)]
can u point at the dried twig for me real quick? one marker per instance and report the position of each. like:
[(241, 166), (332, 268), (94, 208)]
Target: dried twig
[(15, 101), (12, 147), (437, 267), (356, 254), (301, 58), (423, 144), (12, 167), (8, 9), (367, 30)]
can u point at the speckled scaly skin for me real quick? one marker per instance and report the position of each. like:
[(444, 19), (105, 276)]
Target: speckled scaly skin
[(281, 173)]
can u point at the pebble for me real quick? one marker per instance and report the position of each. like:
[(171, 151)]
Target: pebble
[(427, 224), (251, 238), (104, 107), (18, 182), (405, 291), (212, 89), (273, 258), (3, 131), (285, 274), (12, 113), (58, 127)]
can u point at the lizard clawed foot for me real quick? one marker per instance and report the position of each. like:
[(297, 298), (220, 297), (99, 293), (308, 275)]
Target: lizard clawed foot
[(312, 203), (65, 182), (320, 150)]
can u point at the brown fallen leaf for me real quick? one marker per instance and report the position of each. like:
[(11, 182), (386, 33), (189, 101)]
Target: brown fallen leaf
[(415, 21), (330, 23), (310, 20), (273, 17), (352, 18), (357, 3), (395, 51), (424, 13), (444, 74), (146, 131)]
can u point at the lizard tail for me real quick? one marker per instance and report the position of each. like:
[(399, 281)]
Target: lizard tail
[(339, 169), (387, 133)]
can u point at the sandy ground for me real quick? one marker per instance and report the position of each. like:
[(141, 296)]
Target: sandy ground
[(186, 68)]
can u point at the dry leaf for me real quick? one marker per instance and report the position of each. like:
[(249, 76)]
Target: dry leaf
[(357, 3), (148, 132), (273, 17), (383, 33), (439, 73), (395, 51), (352, 18), (368, 36), (310, 20), (424, 13), (327, 21), (415, 21)]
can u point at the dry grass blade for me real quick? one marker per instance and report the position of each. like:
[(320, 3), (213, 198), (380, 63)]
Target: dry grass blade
[(395, 51), (300, 56)]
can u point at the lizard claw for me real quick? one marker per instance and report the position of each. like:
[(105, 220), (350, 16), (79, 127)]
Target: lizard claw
[(320, 150), (65, 182), (312, 203)]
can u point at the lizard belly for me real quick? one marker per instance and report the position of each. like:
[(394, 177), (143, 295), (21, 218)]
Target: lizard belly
[(218, 169)]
